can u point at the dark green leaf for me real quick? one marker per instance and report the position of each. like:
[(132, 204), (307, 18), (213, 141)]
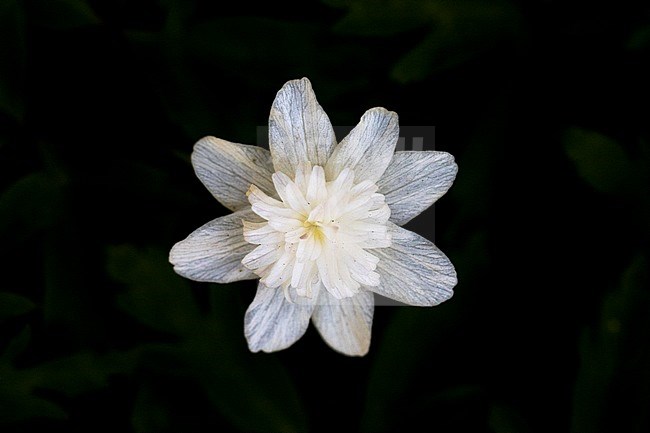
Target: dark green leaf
[(601, 161), (640, 39), (31, 204), (16, 401), (241, 383), (149, 415), (70, 376), (63, 14), (385, 17), (81, 372), (12, 305), (16, 346), (69, 304), (398, 362), (156, 295), (16, 406), (505, 419), (608, 384), (436, 52), (459, 32)]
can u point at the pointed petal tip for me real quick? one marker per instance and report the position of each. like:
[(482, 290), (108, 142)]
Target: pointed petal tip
[(368, 149), (172, 254), (382, 111), (349, 350), (358, 352), (227, 169), (263, 349), (449, 160), (303, 80), (206, 141), (345, 325), (383, 115), (301, 83), (299, 129), (271, 323)]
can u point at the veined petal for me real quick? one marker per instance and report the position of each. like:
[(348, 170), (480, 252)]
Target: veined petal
[(299, 129), (272, 323), (345, 324), (413, 181), (368, 148), (228, 169), (214, 251), (413, 270)]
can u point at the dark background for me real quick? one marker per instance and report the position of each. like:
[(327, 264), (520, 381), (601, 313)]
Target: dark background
[(543, 103)]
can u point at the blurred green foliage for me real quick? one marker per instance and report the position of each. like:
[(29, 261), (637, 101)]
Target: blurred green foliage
[(611, 383), (254, 394), (455, 31), (603, 163), (544, 105)]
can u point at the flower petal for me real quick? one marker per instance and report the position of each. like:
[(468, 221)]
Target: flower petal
[(299, 129), (228, 169), (368, 148), (214, 251), (345, 324), (272, 323), (413, 270), (413, 181)]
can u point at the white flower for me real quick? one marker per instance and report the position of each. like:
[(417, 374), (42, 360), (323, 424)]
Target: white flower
[(319, 223)]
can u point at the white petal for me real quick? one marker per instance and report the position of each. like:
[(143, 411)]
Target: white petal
[(345, 324), (299, 129), (368, 148), (316, 189), (413, 270), (228, 169), (414, 181), (279, 216), (214, 251), (302, 177), (272, 323), (342, 183), (290, 193), (262, 256), (363, 275), (261, 233), (280, 272), (256, 195)]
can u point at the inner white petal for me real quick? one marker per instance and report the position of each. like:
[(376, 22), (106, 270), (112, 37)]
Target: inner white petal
[(317, 233), (290, 193), (316, 187)]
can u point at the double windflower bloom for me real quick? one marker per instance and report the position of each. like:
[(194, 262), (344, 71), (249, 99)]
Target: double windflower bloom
[(319, 223)]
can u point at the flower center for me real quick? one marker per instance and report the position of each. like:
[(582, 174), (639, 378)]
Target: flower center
[(317, 233)]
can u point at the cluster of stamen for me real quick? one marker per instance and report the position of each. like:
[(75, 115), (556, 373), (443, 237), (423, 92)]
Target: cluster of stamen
[(317, 233)]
